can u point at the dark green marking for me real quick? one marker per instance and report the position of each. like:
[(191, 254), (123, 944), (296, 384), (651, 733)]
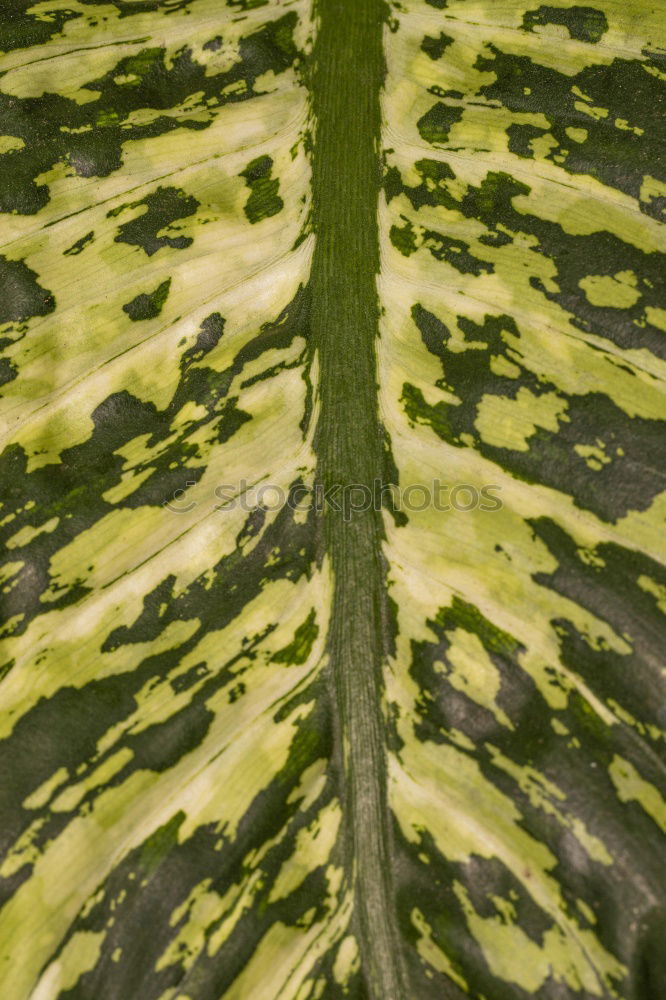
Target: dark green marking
[(436, 124), (572, 256), (347, 77), (585, 24), (144, 898), (435, 47), (304, 637), (442, 247), (90, 137), (159, 210), (21, 295), (264, 199), (80, 245), (148, 305), (247, 4), (625, 483), (614, 156), (19, 28), (76, 486)]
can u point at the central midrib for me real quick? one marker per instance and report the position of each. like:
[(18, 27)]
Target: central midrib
[(346, 83)]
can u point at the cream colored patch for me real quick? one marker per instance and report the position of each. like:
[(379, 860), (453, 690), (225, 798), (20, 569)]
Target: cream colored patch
[(656, 316), (594, 456), (474, 673), (347, 960), (79, 955), (129, 483), (313, 848), (41, 795), (509, 423), (26, 534), (311, 785), (516, 958), (657, 590), (652, 188), (70, 798), (500, 365), (431, 953), (8, 571), (632, 788), (615, 292), (8, 143), (593, 112)]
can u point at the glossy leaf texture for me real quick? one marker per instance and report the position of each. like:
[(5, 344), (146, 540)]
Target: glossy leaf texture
[(193, 787)]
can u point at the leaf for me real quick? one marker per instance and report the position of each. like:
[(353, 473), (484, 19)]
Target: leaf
[(332, 500)]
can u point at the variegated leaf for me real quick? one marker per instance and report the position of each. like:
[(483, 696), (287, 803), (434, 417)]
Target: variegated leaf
[(333, 500)]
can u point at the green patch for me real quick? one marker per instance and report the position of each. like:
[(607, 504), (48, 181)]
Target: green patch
[(435, 47), (209, 335), (164, 207), (264, 200), (436, 124), (420, 412), (149, 304), (21, 295), (557, 457), (299, 649), (585, 24), (158, 846), (80, 245), (404, 239), (596, 98), (461, 614)]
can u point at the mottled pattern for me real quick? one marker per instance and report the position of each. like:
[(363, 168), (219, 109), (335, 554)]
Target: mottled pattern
[(522, 346), (168, 820), (179, 814)]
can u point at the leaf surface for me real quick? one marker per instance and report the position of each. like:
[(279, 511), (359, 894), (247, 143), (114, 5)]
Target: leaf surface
[(333, 500)]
